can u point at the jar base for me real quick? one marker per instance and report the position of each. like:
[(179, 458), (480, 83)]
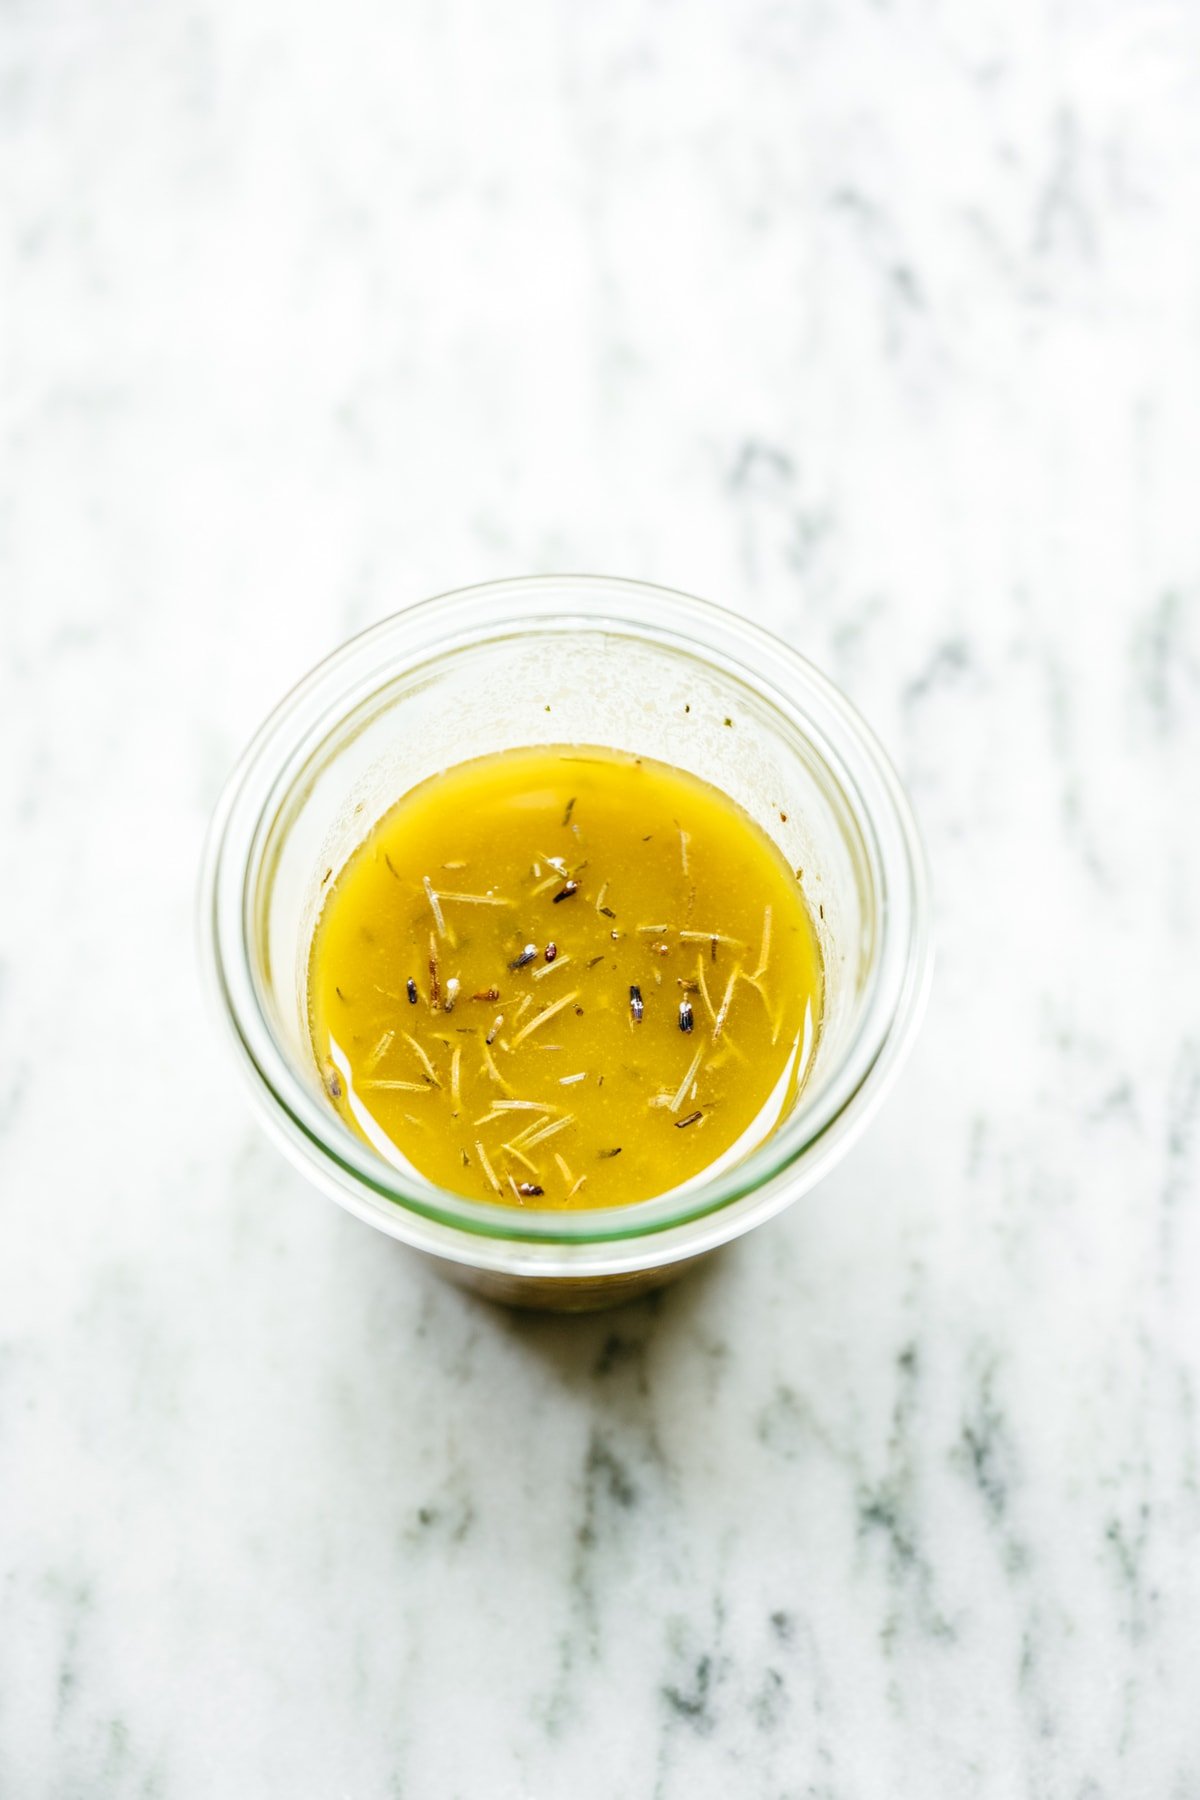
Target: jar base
[(563, 1293)]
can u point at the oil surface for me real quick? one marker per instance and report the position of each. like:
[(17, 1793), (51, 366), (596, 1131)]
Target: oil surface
[(563, 977)]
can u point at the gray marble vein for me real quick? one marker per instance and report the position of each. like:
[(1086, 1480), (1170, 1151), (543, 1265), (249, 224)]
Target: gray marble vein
[(882, 323)]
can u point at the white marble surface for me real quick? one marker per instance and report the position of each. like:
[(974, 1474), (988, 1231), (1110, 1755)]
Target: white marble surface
[(883, 323)]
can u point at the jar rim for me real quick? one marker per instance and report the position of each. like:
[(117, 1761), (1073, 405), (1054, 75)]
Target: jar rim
[(705, 1211)]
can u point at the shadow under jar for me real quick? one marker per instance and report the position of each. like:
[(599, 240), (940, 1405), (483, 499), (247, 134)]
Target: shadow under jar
[(590, 661)]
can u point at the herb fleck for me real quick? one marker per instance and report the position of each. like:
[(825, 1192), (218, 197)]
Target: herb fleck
[(690, 1120)]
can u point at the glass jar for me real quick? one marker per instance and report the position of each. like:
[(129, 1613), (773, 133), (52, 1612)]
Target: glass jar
[(579, 660)]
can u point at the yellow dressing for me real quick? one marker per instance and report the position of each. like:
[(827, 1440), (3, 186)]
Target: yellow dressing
[(564, 977)]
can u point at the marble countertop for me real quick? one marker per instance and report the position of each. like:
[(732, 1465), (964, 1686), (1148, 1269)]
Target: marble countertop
[(883, 324)]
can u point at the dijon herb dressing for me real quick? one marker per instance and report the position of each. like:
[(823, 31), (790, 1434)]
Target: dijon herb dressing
[(564, 978)]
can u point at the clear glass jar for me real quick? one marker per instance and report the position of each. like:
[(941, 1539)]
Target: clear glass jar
[(581, 660)]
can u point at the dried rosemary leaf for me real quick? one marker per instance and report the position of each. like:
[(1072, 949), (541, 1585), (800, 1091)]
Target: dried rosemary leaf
[(439, 917), (380, 1051), (723, 1009), (682, 1091), (430, 1071), (547, 1013), (489, 1067), (549, 1130), (486, 1166), (764, 954), (475, 899), (511, 1150)]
